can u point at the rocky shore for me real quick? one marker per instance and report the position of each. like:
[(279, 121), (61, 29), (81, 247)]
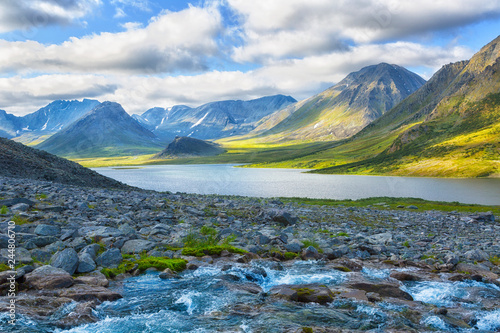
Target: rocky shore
[(73, 242)]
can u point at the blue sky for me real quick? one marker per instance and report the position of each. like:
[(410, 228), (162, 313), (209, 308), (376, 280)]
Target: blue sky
[(147, 53)]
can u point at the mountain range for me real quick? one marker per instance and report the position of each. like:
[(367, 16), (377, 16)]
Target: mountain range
[(212, 120)]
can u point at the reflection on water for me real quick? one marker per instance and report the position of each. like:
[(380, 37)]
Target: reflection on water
[(228, 180)]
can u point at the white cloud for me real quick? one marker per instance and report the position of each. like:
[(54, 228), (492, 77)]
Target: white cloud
[(27, 14), (281, 29), (171, 42), (300, 78)]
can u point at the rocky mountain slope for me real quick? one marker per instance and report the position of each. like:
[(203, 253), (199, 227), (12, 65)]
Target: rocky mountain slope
[(449, 127), (342, 110), (185, 146), (211, 120), (106, 130), (20, 161), (44, 122)]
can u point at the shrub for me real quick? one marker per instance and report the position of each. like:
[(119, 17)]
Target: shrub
[(4, 210)]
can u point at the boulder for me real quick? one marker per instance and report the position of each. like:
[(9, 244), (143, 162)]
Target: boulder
[(47, 230), (310, 253), (306, 293), (168, 274), (99, 232), (476, 255), (94, 278), (384, 290), (294, 246), (20, 207), (86, 292), (66, 259), (91, 249), (110, 258), (137, 246), (85, 263), (42, 241), (81, 314), (282, 217), (403, 276), (48, 277), (23, 256)]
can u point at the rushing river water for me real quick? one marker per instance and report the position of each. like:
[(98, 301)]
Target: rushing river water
[(226, 179), (214, 299)]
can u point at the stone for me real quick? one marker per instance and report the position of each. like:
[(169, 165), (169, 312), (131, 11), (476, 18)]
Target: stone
[(294, 246), (310, 253), (384, 290), (15, 201), (332, 254), (137, 246), (110, 258), (40, 255), (382, 238), (476, 255), (87, 292), (20, 207), (42, 241), (99, 232), (80, 315), (22, 255), (263, 240), (85, 263), (305, 293), (403, 276), (91, 249), (282, 217), (168, 274), (451, 258), (47, 230), (48, 277), (95, 278), (66, 259)]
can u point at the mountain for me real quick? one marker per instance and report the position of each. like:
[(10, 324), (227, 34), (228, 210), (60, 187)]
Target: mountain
[(449, 127), (10, 125), (342, 110), (211, 120), (20, 161), (44, 122), (106, 131), (185, 146)]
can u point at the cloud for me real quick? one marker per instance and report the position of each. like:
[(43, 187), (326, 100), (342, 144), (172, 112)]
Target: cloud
[(27, 14), (143, 5), (172, 42), (300, 78), (281, 29)]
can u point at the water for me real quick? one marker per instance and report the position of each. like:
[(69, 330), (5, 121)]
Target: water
[(204, 301), (226, 179)]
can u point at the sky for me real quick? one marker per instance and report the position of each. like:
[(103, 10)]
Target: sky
[(152, 53)]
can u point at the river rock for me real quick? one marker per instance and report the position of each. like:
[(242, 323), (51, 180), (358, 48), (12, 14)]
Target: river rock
[(110, 258), (80, 315), (137, 246), (384, 290), (22, 255), (42, 241), (476, 255), (306, 293), (404, 276), (48, 277), (283, 217), (310, 253), (95, 278), (66, 259), (85, 263), (47, 230), (86, 292), (91, 250)]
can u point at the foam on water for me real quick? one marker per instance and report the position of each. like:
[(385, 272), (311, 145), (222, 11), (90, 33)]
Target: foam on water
[(376, 273), (436, 322), (489, 321)]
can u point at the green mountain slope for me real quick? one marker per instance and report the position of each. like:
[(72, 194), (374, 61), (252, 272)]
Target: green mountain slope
[(342, 110), (449, 127)]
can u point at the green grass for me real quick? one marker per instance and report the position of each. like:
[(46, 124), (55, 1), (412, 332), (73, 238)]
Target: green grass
[(211, 250), (393, 203), (20, 220), (160, 263), (4, 210), (4, 268), (309, 242), (290, 255)]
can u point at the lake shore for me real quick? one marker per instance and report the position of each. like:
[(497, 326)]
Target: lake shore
[(72, 242)]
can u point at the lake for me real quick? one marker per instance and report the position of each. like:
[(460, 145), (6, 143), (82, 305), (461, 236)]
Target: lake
[(226, 179)]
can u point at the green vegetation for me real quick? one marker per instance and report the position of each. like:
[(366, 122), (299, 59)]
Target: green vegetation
[(160, 263), (4, 210), (19, 220), (341, 234), (310, 242), (4, 268), (290, 255), (495, 260), (41, 196), (306, 329), (207, 242), (406, 244), (393, 203)]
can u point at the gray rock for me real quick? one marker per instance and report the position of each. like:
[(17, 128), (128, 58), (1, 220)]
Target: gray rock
[(4, 241), (15, 201), (294, 246), (476, 255), (99, 232), (126, 229), (85, 263), (110, 258), (48, 277), (42, 241), (283, 217), (451, 258), (66, 259), (306, 293), (41, 255), (54, 247), (263, 240), (22, 255), (91, 249), (310, 253), (383, 238), (77, 243), (137, 246), (20, 207), (47, 230)]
